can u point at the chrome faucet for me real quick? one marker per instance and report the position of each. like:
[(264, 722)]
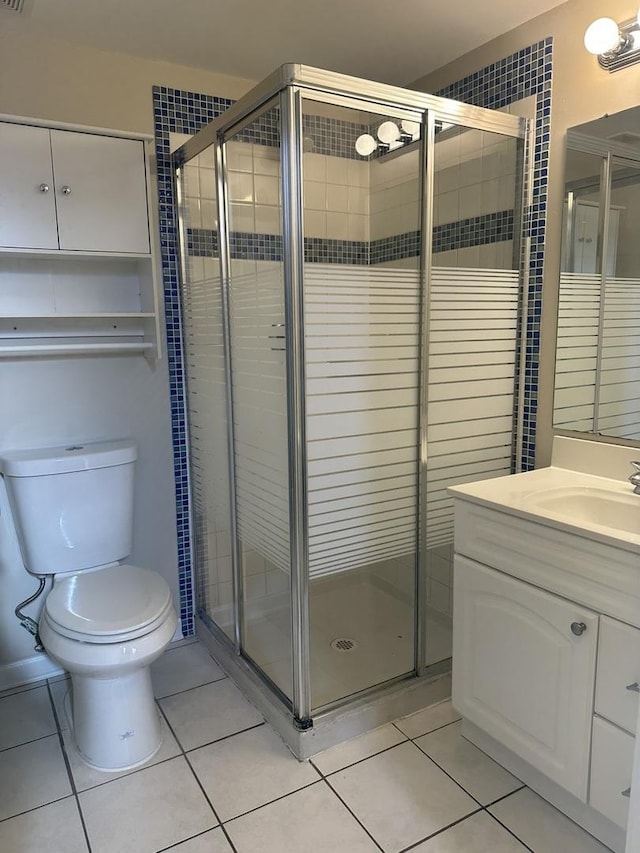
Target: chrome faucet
[(634, 479)]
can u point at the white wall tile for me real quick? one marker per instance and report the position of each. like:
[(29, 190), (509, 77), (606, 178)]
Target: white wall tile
[(315, 195), (337, 198)]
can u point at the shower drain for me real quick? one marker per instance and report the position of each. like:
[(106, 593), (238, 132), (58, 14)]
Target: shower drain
[(344, 644)]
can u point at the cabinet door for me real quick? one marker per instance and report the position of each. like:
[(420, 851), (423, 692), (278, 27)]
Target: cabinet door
[(618, 673), (27, 199), (611, 771), (521, 674), (101, 192)]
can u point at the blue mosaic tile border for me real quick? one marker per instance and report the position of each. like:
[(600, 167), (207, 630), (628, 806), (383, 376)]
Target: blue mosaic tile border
[(528, 72), (176, 111), (477, 231)]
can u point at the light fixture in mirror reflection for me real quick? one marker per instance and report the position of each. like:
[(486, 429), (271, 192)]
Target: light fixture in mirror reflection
[(597, 383)]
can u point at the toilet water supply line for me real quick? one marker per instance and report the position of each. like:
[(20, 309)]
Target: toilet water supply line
[(26, 621)]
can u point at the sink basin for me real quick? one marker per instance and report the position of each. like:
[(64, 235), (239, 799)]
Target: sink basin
[(585, 505)]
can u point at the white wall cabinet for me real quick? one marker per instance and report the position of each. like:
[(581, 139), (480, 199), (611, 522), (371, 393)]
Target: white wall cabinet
[(77, 266), (522, 674)]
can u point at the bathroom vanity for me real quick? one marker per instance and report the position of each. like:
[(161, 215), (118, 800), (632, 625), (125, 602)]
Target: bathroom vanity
[(546, 647)]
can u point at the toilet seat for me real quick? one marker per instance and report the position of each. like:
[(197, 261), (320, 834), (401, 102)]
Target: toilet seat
[(110, 605)]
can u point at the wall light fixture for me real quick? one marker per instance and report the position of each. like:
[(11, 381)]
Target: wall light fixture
[(616, 45), (390, 137)]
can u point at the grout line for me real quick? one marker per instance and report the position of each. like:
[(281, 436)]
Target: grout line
[(195, 775), (504, 796), (36, 808), (453, 779), (68, 766), (431, 731), (193, 687), (221, 739), (191, 838), (360, 760), (353, 814), (271, 802), (440, 831), (22, 688), (25, 742), (504, 826), (206, 796)]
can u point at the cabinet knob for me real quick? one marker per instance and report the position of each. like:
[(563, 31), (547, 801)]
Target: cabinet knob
[(44, 188), (66, 190), (578, 628), (635, 687), (626, 792)]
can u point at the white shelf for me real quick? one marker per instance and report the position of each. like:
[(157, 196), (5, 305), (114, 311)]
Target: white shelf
[(58, 254), (32, 350)]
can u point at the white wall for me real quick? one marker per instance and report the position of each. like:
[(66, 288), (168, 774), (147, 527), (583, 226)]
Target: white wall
[(50, 401)]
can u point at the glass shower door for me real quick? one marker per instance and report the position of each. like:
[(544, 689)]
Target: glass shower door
[(259, 393), (362, 300)]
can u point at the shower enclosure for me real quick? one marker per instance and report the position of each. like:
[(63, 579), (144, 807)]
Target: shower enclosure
[(351, 257)]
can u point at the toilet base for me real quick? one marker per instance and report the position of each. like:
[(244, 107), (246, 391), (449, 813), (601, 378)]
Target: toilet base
[(115, 722)]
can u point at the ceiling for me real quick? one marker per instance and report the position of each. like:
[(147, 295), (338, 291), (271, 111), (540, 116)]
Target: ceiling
[(396, 41)]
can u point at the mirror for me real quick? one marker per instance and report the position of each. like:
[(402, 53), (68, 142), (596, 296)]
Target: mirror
[(597, 382)]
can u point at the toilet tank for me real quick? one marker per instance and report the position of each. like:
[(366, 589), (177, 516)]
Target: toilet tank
[(72, 506)]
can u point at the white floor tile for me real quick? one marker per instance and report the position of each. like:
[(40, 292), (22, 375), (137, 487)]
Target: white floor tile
[(401, 796), (56, 827), (249, 770), (310, 821), (429, 719), (87, 777), (361, 747), (31, 775), (213, 841), (477, 834), (542, 827), (478, 774), (183, 668), (25, 716), (208, 713), (146, 811)]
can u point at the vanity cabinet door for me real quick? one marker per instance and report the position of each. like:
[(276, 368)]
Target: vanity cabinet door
[(524, 670), (101, 192), (27, 195)]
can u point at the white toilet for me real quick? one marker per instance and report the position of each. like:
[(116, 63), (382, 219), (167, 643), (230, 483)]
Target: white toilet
[(104, 621)]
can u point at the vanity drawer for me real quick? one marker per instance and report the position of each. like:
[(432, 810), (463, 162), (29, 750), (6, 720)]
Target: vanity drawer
[(617, 671), (611, 769)]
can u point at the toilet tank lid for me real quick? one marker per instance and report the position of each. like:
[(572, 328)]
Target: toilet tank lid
[(72, 457)]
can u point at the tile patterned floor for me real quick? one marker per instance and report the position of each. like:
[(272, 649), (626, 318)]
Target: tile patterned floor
[(224, 782)]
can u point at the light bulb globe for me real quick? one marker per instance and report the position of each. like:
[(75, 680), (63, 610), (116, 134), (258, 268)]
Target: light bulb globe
[(602, 36), (366, 145), (388, 132)]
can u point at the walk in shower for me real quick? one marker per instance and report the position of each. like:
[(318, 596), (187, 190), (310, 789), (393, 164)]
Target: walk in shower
[(351, 290)]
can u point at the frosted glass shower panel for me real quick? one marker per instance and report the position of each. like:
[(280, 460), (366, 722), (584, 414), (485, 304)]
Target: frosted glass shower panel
[(362, 300), (472, 317), (258, 358), (202, 319)]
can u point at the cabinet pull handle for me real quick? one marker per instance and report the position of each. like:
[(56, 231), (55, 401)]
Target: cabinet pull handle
[(66, 190), (44, 188), (626, 792), (635, 687), (578, 628)]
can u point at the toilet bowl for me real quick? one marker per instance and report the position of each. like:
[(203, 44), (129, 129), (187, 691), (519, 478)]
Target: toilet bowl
[(104, 621), (106, 628)]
